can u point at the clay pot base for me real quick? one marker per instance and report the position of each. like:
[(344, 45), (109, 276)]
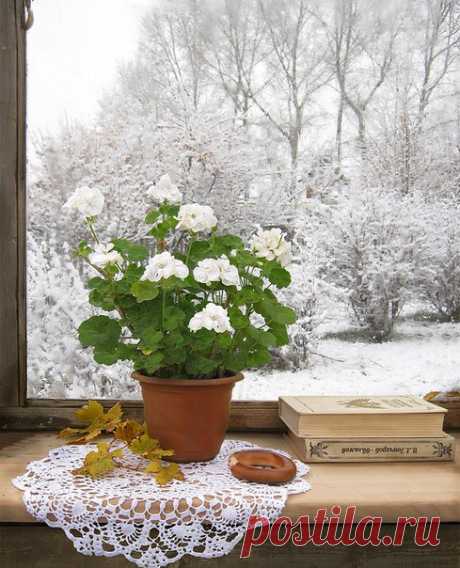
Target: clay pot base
[(262, 466)]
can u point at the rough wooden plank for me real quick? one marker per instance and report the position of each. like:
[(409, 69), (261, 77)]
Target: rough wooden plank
[(9, 370), (53, 415), (388, 490), (245, 415), (21, 199)]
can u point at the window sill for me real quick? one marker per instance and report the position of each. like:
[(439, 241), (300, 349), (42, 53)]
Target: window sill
[(388, 490)]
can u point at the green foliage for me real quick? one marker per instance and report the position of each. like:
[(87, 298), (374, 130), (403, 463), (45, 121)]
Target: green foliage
[(128, 434), (147, 322), (130, 251), (144, 290)]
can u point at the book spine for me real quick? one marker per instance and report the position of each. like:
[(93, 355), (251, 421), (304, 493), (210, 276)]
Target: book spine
[(327, 450)]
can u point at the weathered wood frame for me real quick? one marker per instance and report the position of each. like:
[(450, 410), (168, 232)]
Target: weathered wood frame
[(16, 410)]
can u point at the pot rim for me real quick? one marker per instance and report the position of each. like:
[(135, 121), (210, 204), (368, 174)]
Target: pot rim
[(187, 382)]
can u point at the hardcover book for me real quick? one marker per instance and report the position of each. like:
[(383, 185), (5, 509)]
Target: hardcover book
[(310, 450), (348, 416)]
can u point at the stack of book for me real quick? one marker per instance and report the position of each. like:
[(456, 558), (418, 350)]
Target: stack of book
[(373, 429)]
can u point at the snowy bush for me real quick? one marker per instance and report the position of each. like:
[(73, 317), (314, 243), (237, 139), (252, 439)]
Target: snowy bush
[(371, 243), (56, 304), (439, 276)]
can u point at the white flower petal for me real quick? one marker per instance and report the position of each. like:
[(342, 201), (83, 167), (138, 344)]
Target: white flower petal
[(89, 201)]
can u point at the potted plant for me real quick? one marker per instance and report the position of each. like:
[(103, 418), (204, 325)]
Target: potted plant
[(190, 312)]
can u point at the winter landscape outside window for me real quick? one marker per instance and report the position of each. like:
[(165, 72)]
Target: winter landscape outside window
[(336, 120)]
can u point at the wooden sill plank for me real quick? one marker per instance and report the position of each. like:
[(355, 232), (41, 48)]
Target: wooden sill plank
[(390, 490)]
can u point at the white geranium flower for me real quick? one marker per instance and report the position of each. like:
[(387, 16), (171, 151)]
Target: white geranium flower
[(212, 317), (165, 190), (89, 201), (207, 271), (196, 218), (104, 255), (271, 245), (215, 270), (228, 272), (164, 265)]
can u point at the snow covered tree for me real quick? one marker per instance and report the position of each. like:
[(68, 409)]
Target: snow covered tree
[(439, 275), (371, 243)]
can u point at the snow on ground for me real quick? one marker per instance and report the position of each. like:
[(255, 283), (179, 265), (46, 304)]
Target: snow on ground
[(422, 356)]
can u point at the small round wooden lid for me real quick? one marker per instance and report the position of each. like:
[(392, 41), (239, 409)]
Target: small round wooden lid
[(262, 466)]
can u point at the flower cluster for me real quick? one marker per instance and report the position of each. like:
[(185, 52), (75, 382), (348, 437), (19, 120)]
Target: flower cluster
[(104, 255), (89, 201), (197, 307), (271, 245), (217, 270), (164, 265), (165, 190), (196, 218), (212, 317)]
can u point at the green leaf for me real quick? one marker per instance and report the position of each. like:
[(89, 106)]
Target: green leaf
[(83, 250), (261, 356), (131, 251), (153, 362), (199, 366), (173, 318), (279, 330), (272, 311), (261, 337), (102, 298), (224, 340), (235, 362), (152, 217), (247, 295), (144, 290), (105, 356), (99, 331), (237, 319), (280, 277), (151, 337), (96, 283), (202, 339)]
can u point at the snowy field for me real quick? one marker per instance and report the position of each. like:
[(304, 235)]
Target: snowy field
[(422, 356)]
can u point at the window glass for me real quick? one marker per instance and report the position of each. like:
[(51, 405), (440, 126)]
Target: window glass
[(337, 121)]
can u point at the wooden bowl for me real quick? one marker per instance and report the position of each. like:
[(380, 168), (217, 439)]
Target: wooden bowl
[(262, 466)]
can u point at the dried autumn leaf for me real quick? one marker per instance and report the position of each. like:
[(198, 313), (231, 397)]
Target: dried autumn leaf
[(112, 417), (168, 473), (98, 422), (128, 431), (153, 467), (160, 454), (144, 445), (90, 412), (76, 436), (99, 461)]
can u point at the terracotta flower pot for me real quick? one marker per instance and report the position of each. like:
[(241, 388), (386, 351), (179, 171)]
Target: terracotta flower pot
[(189, 416)]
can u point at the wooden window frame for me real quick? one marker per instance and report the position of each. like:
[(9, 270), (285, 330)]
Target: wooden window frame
[(16, 410)]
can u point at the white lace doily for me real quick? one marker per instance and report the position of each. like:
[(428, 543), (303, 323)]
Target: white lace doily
[(126, 512)]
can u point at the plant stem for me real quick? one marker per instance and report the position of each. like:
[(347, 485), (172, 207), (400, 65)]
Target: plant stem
[(163, 306), (91, 229)]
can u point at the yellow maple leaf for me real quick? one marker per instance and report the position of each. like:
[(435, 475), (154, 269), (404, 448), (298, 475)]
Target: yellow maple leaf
[(90, 412), (93, 414), (160, 453), (143, 445), (153, 466), (99, 461), (113, 417), (128, 431), (168, 473)]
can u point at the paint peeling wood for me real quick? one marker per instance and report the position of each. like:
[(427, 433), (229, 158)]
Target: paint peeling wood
[(9, 360)]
